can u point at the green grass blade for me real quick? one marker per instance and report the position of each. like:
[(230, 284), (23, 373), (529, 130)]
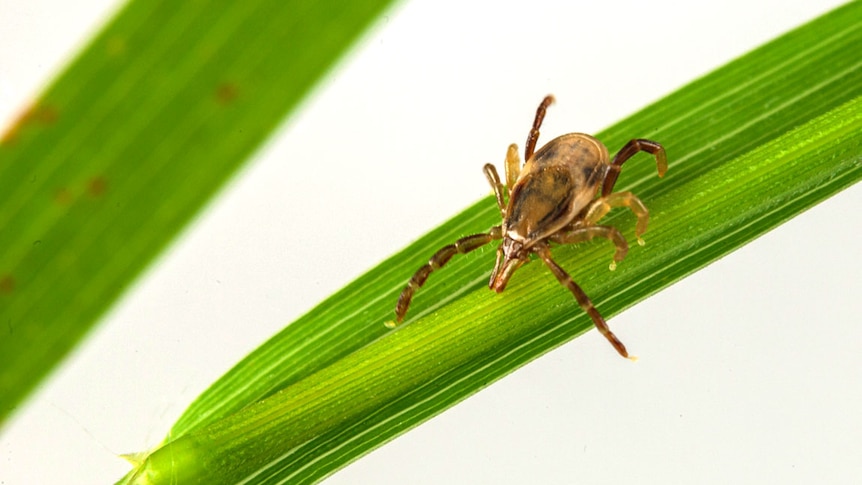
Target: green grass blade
[(750, 145), (128, 144)]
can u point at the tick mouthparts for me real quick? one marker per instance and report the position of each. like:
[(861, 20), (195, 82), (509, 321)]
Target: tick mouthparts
[(504, 270), (498, 285)]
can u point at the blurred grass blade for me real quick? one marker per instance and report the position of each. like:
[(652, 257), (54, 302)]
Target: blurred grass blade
[(127, 145), (750, 145)]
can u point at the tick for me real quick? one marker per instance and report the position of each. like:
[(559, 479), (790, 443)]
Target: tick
[(552, 199)]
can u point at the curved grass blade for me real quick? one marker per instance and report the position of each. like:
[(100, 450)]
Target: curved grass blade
[(128, 144), (336, 383)]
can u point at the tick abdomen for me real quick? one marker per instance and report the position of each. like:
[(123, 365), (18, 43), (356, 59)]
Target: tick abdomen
[(555, 185)]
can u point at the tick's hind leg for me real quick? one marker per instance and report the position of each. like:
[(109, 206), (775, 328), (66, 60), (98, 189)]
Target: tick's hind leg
[(628, 151), (587, 233), (583, 300), (533, 137), (440, 258), (601, 206)]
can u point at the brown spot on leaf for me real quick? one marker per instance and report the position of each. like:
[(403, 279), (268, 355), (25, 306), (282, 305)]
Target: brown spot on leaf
[(97, 186), (7, 284), (226, 93), (11, 134), (33, 115), (44, 115)]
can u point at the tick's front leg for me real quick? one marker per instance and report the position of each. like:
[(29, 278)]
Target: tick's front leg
[(513, 167), (437, 261), (497, 186)]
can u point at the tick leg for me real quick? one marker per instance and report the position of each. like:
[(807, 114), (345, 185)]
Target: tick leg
[(513, 169), (583, 300), (601, 206), (513, 166), (627, 152), (533, 137), (497, 186), (440, 258), (587, 233)]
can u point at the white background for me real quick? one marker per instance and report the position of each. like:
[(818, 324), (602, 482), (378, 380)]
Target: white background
[(749, 370)]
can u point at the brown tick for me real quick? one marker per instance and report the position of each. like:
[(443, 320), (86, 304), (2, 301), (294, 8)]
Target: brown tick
[(552, 199)]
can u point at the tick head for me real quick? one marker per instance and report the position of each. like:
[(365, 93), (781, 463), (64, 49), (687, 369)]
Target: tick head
[(510, 256)]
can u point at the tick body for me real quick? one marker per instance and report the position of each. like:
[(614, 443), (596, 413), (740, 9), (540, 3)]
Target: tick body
[(563, 190)]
